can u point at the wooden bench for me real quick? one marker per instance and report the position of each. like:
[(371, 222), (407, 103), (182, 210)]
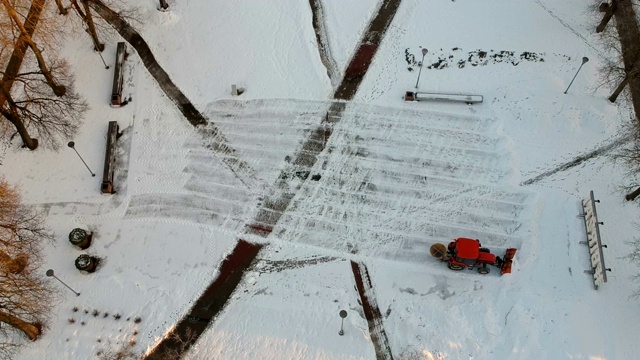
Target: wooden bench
[(116, 91), (110, 159)]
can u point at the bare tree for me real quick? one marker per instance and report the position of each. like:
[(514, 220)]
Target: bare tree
[(87, 17), (629, 158), (33, 100), (634, 73), (58, 89), (35, 110), (63, 10), (608, 10), (25, 296), (628, 33), (634, 257)]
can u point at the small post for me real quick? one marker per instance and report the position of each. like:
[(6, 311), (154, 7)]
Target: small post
[(163, 5), (424, 52), (50, 273), (584, 61), (71, 144), (234, 90), (343, 314)]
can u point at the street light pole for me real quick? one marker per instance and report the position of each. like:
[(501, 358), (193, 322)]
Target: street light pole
[(343, 314), (71, 144), (584, 61), (424, 52), (50, 273), (105, 64)]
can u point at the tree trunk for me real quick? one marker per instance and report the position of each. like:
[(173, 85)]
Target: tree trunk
[(607, 16), (20, 49), (11, 265), (32, 330), (164, 5), (62, 9), (633, 195), (12, 115), (59, 90), (619, 89), (91, 28), (629, 33)]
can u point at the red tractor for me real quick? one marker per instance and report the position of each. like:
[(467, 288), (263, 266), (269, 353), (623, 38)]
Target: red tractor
[(465, 253)]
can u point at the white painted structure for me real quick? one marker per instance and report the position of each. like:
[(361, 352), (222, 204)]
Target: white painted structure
[(420, 96), (594, 243)]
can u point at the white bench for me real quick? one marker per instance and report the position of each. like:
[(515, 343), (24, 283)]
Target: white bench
[(592, 227), (420, 96)]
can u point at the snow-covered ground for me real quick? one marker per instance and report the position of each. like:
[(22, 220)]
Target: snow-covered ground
[(395, 178)]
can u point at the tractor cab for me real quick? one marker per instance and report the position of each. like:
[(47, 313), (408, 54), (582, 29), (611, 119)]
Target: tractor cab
[(466, 253), (469, 253)]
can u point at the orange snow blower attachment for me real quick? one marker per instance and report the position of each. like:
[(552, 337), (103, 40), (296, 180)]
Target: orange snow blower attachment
[(507, 261), (466, 253)]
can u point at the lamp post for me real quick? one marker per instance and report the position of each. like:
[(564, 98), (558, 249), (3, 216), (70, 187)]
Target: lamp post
[(71, 144), (105, 64), (343, 314), (584, 61), (50, 273), (97, 46), (424, 52)]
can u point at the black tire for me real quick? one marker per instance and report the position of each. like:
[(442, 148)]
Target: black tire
[(484, 250), (455, 267), (483, 270)]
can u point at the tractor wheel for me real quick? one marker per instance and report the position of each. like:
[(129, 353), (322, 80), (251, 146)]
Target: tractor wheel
[(483, 270), (455, 267), (485, 250)]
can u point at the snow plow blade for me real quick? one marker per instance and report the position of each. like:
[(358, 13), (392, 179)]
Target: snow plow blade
[(508, 260)]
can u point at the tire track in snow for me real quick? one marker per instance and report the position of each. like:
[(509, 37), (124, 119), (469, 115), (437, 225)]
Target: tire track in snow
[(576, 33), (580, 159), (376, 200)]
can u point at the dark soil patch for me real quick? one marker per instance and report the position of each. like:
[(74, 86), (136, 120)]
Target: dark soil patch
[(472, 58), (367, 48), (271, 266), (371, 312), (209, 304)]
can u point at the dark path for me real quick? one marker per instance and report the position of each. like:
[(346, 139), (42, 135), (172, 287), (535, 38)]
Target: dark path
[(367, 49), (219, 144), (208, 305), (579, 160), (213, 300), (133, 37), (371, 312), (306, 158)]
